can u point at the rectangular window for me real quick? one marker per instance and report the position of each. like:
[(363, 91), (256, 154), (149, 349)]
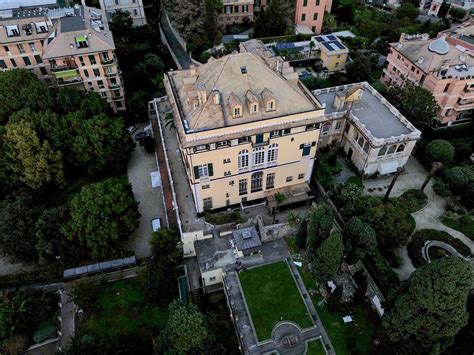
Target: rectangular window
[(236, 8), (317, 2), (315, 16), (222, 144), (92, 59), (101, 84), (3, 65), (13, 63), (43, 71), (33, 47), (258, 156), (20, 48), (446, 88), (289, 178), (86, 73), (207, 203), (256, 183), (103, 95), (244, 140), (270, 181), (226, 161), (81, 59), (38, 59), (338, 125), (259, 138), (306, 150), (204, 170), (96, 73), (245, 8), (275, 133), (347, 127), (287, 131), (300, 176), (242, 186), (205, 187), (305, 3), (27, 60), (303, 17), (313, 126), (6, 49)]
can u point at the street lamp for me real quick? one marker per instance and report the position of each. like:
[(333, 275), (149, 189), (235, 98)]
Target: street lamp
[(58, 258)]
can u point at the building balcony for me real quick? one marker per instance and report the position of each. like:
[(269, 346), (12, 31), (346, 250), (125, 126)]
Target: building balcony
[(67, 77), (260, 144), (108, 61), (114, 85), (71, 81), (117, 97), (111, 74), (61, 68)]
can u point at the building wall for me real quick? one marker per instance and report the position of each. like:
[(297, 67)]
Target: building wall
[(334, 61), (134, 7), (310, 13), (236, 12), (290, 168)]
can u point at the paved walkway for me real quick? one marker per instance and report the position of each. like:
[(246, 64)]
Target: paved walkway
[(150, 199), (179, 54), (67, 319)]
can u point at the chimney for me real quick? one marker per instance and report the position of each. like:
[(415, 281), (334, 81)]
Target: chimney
[(202, 94), (216, 97), (192, 70)]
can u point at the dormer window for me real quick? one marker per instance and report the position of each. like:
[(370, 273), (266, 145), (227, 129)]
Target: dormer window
[(81, 42), (237, 111), (235, 105), (254, 108), (252, 102), (271, 105)]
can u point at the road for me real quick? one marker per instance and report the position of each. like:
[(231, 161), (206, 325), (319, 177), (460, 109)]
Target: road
[(184, 61)]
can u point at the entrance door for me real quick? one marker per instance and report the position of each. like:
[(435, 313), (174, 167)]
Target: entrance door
[(349, 153)]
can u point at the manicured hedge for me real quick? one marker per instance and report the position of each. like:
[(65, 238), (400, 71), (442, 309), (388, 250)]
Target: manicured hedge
[(45, 333), (420, 237), (224, 218)]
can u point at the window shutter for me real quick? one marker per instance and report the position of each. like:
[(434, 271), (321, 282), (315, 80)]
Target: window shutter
[(301, 146), (313, 144), (196, 172), (210, 169)]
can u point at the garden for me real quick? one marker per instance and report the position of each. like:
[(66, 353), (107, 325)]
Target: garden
[(272, 296)]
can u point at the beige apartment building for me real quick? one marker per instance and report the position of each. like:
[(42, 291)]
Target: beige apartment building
[(444, 66), (247, 129), (63, 47), (236, 11), (133, 7)]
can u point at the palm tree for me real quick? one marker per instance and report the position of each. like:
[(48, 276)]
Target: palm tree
[(279, 198), (311, 47), (169, 121)]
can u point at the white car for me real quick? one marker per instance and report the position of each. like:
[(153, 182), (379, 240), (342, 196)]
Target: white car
[(156, 224), (131, 129)]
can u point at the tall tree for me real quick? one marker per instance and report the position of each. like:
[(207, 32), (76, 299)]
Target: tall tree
[(29, 160), (359, 239), (328, 258), (359, 69), (102, 215), (433, 308), (320, 222), (415, 103), (407, 10), (211, 10), (270, 22), (121, 24), (18, 89)]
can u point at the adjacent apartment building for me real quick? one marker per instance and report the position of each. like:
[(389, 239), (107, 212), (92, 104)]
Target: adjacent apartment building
[(444, 66), (134, 7), (247, 129), (237, 11), (70, 46), (310, 13)]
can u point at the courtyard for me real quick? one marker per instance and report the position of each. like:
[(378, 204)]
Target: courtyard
[(272, 296)]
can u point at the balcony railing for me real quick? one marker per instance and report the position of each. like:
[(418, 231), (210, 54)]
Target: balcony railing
[(105, 61), (110, 74), (71, 81), (59, 68), (260, 144), (117, 98)]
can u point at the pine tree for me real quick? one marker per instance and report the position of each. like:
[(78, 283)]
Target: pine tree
[(328, 258)]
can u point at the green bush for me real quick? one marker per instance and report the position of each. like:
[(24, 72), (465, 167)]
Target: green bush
[(459, 177), (356, 180), (413, 200), (313, 83), (440, 187), (464, 224), (45, 333), (420, 237), (323, 174), (224, 218), (439, 150), (384, 276)]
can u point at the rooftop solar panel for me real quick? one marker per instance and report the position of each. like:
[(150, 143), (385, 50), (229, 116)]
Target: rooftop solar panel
[(320, 39), (332, 38), (328, 46), (339, 45)]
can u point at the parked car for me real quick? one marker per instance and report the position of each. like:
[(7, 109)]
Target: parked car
[(131, 129), (141, 135), (156, 224)]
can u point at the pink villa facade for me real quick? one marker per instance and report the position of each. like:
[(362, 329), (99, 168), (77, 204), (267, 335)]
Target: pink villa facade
[(310, 13), (444, 66)]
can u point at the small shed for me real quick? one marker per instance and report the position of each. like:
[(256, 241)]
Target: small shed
[(247, 241)]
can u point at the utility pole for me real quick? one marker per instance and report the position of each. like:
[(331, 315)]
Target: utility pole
[(395, 177), (434, 168)]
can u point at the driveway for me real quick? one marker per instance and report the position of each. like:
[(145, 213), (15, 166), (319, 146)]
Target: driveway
[(150, 200), (184, 61)]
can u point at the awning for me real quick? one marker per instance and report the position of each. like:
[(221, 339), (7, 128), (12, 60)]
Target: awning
[(81, 39), (388, 167), (66, 74)]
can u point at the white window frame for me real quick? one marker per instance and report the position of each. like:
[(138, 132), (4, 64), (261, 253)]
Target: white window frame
[(203, 170), (258, 156), (243, 159), (272, 153)]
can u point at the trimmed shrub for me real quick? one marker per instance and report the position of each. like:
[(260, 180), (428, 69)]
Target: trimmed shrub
[(459, 177), (224, 218), (15, 345), (439, 150), (356, 180), (413, 200), (440, 187), (420, 237), (384, 276), (45, 333)]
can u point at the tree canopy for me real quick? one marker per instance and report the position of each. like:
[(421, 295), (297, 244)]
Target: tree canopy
[(320, 223), (439, 150), (328, 258), (360, 239), (433, 308), (101, 215), (271, 21)]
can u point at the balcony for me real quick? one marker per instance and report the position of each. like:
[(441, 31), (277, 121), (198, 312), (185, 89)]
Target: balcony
[(107, 61), (67, 77), (60, 68), (117, 97), (114, 85), (71, 81), (111, 74)]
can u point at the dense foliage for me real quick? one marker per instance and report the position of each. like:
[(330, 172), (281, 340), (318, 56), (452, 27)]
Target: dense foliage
[(320, 223), (439, 150), (328, 258), (359, 239)]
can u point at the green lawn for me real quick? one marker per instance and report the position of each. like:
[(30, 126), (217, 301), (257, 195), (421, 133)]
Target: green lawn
[(121, 310), (272, 296), (315, 347), (464, 225)]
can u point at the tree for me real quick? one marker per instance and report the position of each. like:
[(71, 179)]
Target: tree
[(279, 199), (301, 235), (349, 198), (393, 225), (433, 308), (320, 222), (16, 345), (329, 23), (459, 178), (186, 330), (84, 292), (30, 160), (164, 247), (407, 10), (415, 103), (360, 239), (211, 9), (14, 309), (18, 215), (328, 258), (121, 24), (101, 216), (271, 21), (359, 69), (464, 341), (439, 150), (457, 13), (18, 89)]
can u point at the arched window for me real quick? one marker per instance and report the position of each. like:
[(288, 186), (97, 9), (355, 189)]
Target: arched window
[(258, 156), (326, 128), (243, 160), (272, 152), (382, 151), (401, 148), (391, 150)]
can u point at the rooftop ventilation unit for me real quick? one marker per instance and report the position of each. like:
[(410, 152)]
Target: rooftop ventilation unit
[(243, 70)]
